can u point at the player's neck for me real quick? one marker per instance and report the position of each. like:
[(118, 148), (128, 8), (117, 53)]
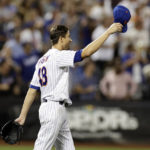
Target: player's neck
[(57, 46)]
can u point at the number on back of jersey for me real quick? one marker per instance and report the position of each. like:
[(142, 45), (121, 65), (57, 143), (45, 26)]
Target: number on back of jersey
[(42, 76)]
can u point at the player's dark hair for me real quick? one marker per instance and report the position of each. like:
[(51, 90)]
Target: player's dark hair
[(56, 32)]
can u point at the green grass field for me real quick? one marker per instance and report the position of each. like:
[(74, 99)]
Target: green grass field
[(77, 148)]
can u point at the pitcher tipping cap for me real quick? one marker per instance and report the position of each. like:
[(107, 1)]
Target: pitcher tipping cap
[(122, 15)]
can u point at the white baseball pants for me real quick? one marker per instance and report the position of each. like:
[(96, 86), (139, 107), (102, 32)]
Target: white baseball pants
[(54, 129)]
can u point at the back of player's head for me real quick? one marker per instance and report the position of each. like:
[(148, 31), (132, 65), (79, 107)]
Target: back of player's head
[(56, 32)]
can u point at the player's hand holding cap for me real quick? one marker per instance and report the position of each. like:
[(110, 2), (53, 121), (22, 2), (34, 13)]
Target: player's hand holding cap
[(122, 15)]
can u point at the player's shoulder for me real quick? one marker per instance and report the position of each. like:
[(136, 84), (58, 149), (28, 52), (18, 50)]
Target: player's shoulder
[(43, 58), (65, 52), (46, 56)]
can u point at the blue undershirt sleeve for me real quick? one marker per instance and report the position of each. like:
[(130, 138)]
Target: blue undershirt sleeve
[(77, 57)]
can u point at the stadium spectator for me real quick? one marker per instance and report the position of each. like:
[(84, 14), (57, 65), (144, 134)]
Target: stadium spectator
[(87, 87), (8, 10), (99, 9), (133, 61), (27, 63), (8, 80), (13, 48), (76, 75), (106, 53), (129, 58), (139, 34), (117, 84), (2, 35), (146, 84), (86, 29)]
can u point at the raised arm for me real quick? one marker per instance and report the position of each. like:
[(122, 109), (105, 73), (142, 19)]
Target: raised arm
[(26, 106), (96, 44)]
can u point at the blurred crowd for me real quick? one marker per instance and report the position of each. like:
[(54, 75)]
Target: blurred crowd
[(120, 70)]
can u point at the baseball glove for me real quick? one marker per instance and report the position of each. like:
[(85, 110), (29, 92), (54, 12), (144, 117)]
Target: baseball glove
[(11, 132)]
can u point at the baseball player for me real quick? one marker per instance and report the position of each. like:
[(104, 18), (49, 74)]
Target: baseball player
[(51, 78)]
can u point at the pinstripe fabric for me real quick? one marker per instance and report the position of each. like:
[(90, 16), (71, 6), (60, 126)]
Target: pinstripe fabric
[(51, 76), (57, 64), (54, 128)]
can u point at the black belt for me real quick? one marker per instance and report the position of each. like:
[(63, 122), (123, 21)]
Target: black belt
[(60, 102), (63, 103)]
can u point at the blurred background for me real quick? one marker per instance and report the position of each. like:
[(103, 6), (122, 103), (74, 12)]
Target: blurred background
[(110, 90)]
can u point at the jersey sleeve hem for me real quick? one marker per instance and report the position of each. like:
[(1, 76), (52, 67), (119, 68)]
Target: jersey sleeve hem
[(34, 87), (77, 57)]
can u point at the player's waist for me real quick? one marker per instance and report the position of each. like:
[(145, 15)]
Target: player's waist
[(62, 102), (52, 97)]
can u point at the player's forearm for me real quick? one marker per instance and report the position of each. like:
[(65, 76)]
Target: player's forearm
[(28, 102), (95, 45)]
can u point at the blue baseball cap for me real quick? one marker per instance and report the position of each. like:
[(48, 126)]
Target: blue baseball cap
[(122, 15)]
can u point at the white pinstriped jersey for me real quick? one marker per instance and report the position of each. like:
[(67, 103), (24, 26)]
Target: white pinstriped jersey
[(52, 73)]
